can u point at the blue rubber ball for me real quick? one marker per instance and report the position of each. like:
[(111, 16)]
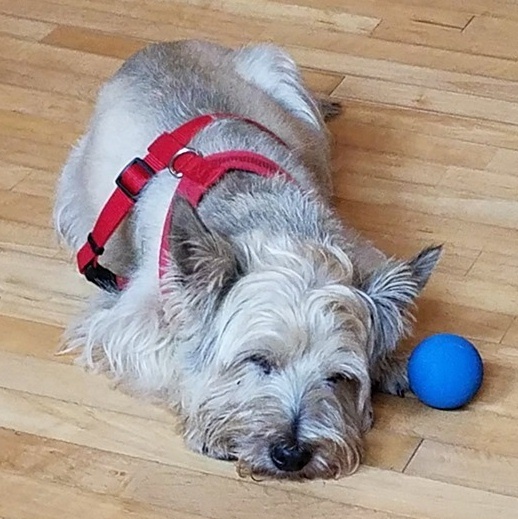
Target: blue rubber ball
[(445, 371)]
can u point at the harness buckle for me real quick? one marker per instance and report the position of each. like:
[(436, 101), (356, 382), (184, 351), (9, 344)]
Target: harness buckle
[(142, 167), (101, 277)]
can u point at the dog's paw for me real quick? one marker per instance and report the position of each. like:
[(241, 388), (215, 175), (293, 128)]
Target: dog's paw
[(392, 377)]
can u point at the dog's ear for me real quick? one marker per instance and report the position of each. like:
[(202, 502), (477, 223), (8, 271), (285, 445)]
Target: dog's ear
[(391, 291), (206, 260)]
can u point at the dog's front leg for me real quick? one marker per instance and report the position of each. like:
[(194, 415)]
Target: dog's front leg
[(389, 375)]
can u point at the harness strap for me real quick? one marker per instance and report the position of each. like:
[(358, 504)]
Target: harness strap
[(196, 174)]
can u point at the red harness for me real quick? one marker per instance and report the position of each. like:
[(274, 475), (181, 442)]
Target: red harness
[(196, 175)]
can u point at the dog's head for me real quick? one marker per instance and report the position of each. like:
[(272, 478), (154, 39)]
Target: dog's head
[(279, 377)]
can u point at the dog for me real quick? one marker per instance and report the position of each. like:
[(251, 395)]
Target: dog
[(271, 322)]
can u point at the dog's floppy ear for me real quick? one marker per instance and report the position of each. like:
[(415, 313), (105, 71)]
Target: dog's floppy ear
[(206, 260), (391, 291)]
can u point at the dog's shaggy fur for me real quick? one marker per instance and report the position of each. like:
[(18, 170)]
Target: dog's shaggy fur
[(273, 321)]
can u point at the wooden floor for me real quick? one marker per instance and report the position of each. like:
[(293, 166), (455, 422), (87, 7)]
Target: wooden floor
[(427, 150)]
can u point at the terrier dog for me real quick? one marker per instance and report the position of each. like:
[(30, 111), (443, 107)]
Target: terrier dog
[(270, 322)]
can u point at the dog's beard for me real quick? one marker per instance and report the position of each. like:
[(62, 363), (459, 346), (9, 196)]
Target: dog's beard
[(330, 460), (243, 424), (332, 436)]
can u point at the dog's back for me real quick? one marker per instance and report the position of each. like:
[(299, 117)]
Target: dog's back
[(166, 84)]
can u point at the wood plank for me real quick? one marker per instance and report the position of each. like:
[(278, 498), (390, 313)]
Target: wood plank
[(369, 8), (109, 431), (490, 133), (13, 208), (440, 316), (368, 217), (70, 383), (24, 28), (389, 451), (484, 35), (409, 30), (54, 58), (40, 183), (66, 464), (412, 144), (488, 35), (94, 42), (23, 495), (465, 467), (471, 428), (443, 15), (48, 290), (433, 200), (504, 161), (498, 8), (12, 174), (38, 129), (31, 339), (437, 500), (383, 490), (427, 99), (481, 294), (152, 483), (21, 153), (511, 336), (91, 470), (38, 77), (499, 268), (26, 238), (43, 104), (401, 73), (163, 23), (319, 81), (389, 166), (267, 13), (500, 185)]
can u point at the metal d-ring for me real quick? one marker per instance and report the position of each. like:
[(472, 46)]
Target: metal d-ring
[(170, 166)]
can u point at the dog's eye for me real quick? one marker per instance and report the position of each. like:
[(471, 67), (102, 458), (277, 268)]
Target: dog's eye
[(335, 378), (261, 362)]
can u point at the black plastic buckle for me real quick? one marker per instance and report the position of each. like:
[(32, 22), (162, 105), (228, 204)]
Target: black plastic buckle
[(101, 277), (119, 180)]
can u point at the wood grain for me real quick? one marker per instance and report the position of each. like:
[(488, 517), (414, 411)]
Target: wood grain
[(425, 151), (466, 467)]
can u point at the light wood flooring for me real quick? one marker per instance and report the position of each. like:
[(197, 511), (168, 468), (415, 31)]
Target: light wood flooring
[(426, 151)]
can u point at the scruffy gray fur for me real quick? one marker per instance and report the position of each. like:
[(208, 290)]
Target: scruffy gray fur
[(273, 321)]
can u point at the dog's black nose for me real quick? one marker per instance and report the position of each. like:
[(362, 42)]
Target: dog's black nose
[(289, 458)]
